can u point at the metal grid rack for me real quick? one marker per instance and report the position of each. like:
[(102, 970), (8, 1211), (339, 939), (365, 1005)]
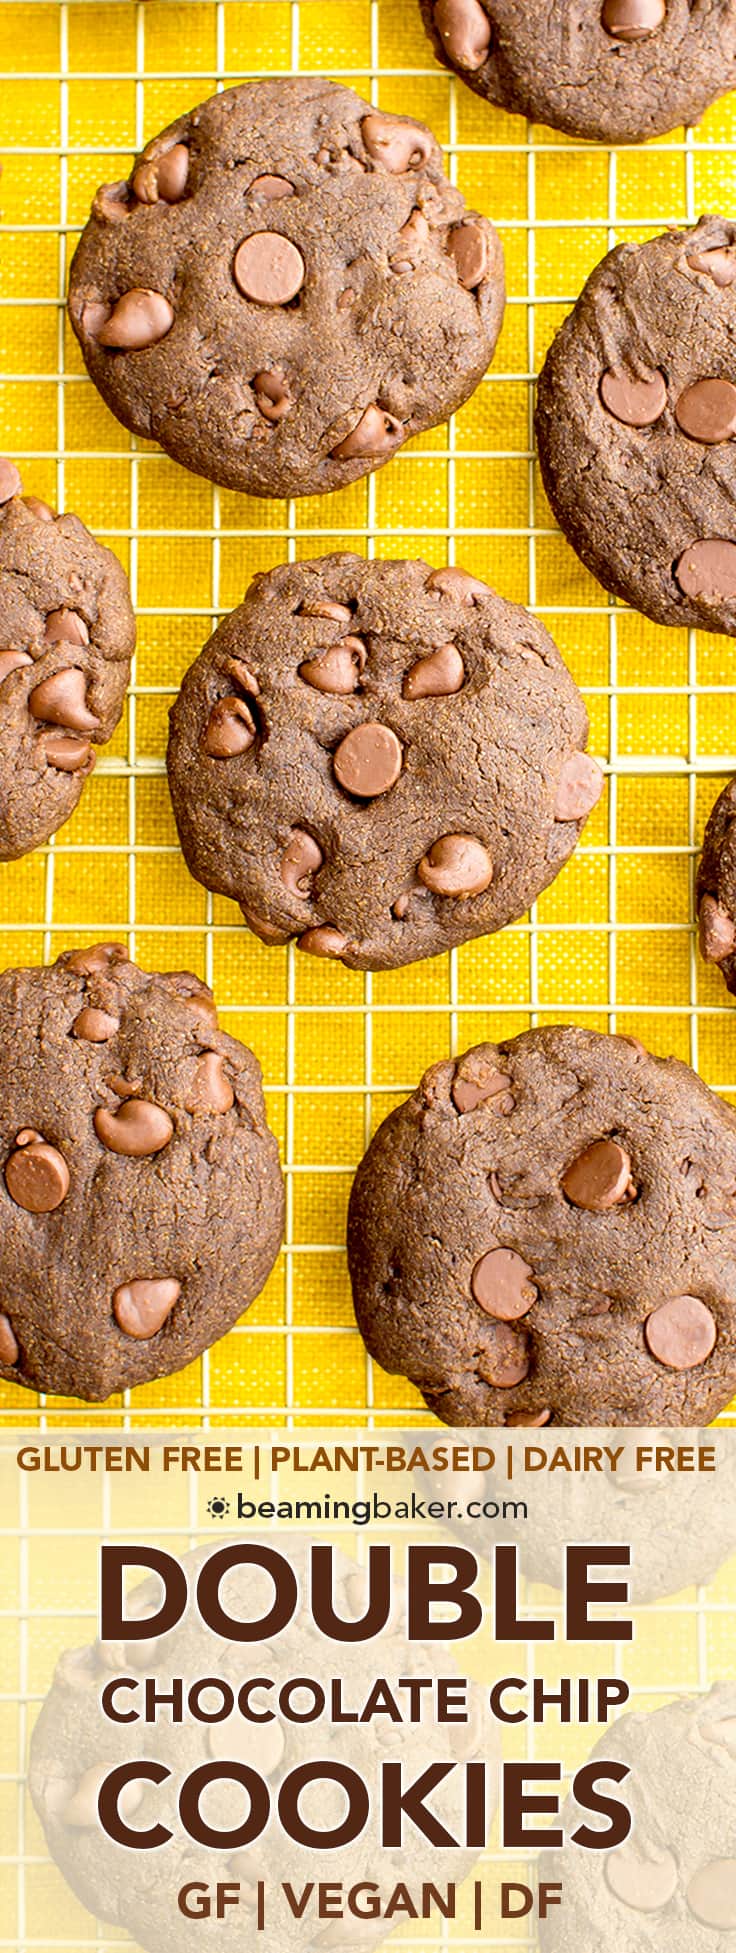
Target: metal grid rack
[(611, 944)]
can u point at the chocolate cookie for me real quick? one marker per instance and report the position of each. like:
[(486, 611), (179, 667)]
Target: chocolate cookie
[(140, 1190), (611, 70), (672, 1884), (636, 413), (715, 887), (380, 759), (74, 1747), (67, 633), (546, 1231), (286, 289)]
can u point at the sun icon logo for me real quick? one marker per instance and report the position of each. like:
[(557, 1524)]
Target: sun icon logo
[(218, 1508)]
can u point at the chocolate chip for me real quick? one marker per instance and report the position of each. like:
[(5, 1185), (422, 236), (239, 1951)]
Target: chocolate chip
[(708, 570), (718, 264), (101, 956), (267, 932), (137, 1129), (210, 1090), (375, 433), (501, 1286), (468, 245), (368, 760), (436, 676), (453, 582), (632, 20), (326, 607), (300, 862), (464, 27), (399, 146), (399, 907), (506, 1362), (600, 1178), (95, 1026), (579, 788), (36, 1175), (80, 1810), (61, 700), (706, 411), (138, 320), (324, 940), (141, 1307), (271, 188), (716, 930), (533, 1419), (12, 661), (711, 1894), (338, 670), (493, 1085), (272, 396), (162, 177), (268, 268), (94, 314), (42, 510), (641, 1874), (635, 402), (10, 481), (231, 729), (456, 865), (9, 1351), (260, 1745), (65, 627), (681, 1333), (412, 236), (68, 755)]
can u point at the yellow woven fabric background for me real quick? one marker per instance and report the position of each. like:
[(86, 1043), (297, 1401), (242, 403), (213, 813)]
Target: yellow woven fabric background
[(610, 944)]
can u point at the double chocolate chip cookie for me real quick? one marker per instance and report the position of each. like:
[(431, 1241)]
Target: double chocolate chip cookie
[(286, 289), (380, 759), (140, 1191), (546, 1231), (672, 1884), (75, 1746), (67, 634), (636, 419), (611, 70), (715, 888)]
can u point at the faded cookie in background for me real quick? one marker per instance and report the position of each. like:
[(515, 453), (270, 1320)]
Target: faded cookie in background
[(379, 759), (286, 289), (679, 1533), (609, 70), (67, 634), (75, 1746), (636, 418), (715, 887), (671, 1886), (546, 1232), (140, 1191)]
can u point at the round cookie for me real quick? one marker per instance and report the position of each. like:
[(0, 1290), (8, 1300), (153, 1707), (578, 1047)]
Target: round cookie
[(67, 634), (672, 1883), (715, 887), (609, 70), (74, 1745), (140, 1193), (546, 1232), (636, 413), (380, 759), (286, 289)]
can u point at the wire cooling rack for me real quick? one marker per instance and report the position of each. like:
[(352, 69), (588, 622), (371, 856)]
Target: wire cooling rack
[(611, 944)]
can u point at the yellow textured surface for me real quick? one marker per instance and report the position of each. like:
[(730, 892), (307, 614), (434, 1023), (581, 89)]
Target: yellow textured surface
[(610, 944)]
